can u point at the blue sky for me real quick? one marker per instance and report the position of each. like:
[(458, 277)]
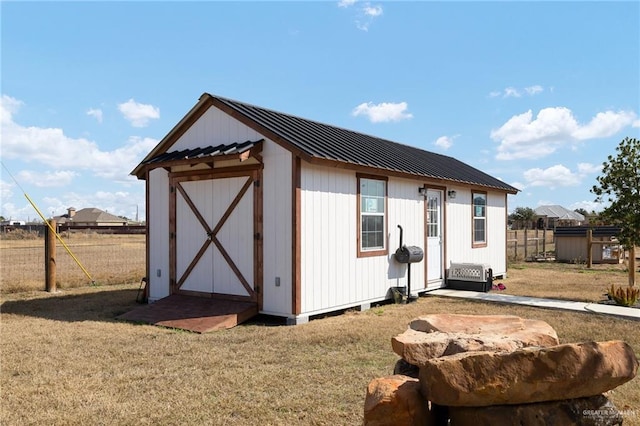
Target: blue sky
[(534, 93)]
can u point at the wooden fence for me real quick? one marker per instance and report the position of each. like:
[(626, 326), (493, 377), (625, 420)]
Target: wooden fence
[(526, 244)]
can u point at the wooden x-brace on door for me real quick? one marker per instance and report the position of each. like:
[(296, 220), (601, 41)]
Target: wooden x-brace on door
[(216, 234)]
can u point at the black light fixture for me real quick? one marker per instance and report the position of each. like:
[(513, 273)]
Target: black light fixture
[(451, 194), (422, 191)]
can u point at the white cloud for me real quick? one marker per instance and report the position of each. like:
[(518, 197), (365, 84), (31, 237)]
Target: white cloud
[(636, 123), (589, 206), (511, 92), (58, 152), (533, 90), (346, 3), (383, 112), (445, 142), (8, 107), (365, 14), (552, 177), (588, 168), (519, 185), (373, 11), (138, 114), (6, 190), (522, 136), (96, 113), (47, 179)]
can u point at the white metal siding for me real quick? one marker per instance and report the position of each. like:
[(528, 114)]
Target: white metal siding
[(331, 273), (458, 236), (158, 244), (277, 228), (213, 128)]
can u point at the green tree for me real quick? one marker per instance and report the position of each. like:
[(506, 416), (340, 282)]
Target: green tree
[(619, 185), (523, 216), (582, 211)]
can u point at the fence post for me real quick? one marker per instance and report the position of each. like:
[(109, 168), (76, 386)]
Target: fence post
[(544, 242), (589, 248), (632, 265), (526, 244), (515, 254), (50, 257)]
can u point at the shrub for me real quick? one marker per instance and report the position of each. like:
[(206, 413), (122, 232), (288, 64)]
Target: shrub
[(624, 296)]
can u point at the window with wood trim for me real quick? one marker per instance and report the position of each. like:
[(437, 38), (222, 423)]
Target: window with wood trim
[(372, 216), (479, 206)]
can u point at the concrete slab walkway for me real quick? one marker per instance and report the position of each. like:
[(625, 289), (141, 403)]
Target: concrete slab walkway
[(619, 311)]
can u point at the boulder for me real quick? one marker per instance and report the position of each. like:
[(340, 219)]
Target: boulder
[(592, 411), (417, 347), (528, 375), (529, 332), (395, 400)]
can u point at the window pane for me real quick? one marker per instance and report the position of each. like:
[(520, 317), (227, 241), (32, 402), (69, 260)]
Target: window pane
[(478, 230), (372, 228)]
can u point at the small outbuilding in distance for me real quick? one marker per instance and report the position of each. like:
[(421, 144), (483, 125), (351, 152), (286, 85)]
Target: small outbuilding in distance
[(301, 218)]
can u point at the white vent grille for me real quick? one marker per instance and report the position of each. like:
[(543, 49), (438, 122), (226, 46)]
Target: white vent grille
[(477, 272)]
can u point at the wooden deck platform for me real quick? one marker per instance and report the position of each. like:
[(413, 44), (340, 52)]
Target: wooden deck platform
[(196, 314)]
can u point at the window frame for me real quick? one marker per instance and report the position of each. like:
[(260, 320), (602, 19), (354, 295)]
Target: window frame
[(362, 252), (474, 243)]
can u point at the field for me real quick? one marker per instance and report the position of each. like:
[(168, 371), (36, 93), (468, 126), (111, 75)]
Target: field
[(65, 360), (109, 259)]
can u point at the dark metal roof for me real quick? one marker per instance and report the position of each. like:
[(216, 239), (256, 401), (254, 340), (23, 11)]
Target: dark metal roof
[(581, 231), (329, 142), (314, 141), (202, 153)]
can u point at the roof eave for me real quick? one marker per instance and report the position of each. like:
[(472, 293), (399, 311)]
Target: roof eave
[(204, 102)]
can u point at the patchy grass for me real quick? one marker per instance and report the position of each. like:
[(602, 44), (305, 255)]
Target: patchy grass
[(109, 259), (563, 280), (65, 360)]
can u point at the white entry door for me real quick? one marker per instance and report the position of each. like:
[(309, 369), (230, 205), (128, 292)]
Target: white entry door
[(434, 235)]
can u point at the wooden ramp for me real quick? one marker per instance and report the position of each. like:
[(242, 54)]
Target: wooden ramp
[(197, 314)]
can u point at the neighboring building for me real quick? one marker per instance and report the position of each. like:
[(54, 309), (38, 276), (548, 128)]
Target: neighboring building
[(301, 217), (89, 217), (550, 217), (572, 244)]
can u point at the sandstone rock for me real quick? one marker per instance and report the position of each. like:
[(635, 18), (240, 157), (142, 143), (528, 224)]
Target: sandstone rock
[(417, 347), (591, 411), (529, 332), (528, 375), (395, 400)]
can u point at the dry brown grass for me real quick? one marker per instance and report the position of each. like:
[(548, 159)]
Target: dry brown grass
[(109, 259), (65, 360), (564, 280)]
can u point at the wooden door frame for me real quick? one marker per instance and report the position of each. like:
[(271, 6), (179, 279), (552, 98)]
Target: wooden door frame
[(254, 174)]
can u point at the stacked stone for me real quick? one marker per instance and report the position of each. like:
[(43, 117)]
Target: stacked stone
[(497, 370)]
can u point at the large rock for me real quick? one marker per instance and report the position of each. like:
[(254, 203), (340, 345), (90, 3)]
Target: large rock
[(528, 375), (591, 411), (417, 347), (529, 332), (395, 400)]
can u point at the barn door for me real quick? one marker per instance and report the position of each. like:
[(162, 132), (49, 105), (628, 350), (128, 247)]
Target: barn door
[(216, 235)]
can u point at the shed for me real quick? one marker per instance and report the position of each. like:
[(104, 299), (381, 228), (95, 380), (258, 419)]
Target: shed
[(572, 244), (301, 218)]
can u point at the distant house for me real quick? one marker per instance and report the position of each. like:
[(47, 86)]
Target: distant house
[(89, 216), (550, 217)]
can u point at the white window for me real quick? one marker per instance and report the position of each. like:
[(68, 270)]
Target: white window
[(479, 206), (372, 194)]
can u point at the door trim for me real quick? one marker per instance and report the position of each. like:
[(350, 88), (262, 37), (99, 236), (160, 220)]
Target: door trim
[(443, 233)]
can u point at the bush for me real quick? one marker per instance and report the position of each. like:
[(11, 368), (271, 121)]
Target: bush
[(624, 297)]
